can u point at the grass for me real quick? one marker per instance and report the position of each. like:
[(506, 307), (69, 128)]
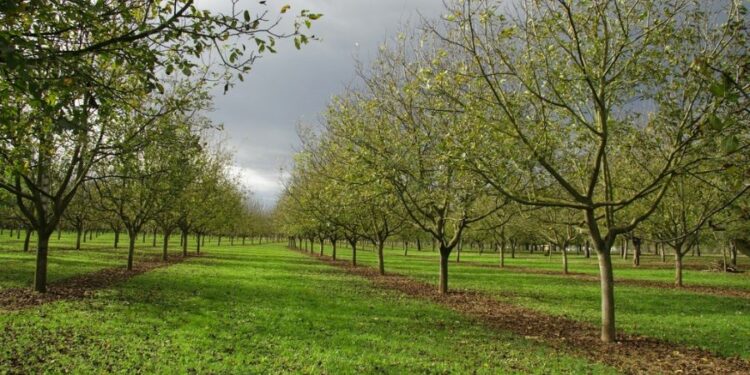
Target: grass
[(624, 268), (718, 324), (64, 261), (258, 309)]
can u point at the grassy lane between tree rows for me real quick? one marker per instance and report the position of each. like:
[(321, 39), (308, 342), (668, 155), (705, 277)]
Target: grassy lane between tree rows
[(715, 323), (261, 309)]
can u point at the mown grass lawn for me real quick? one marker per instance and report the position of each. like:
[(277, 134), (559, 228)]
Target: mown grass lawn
[(652, 269), (64, 261), (719, 324), (261, 309)]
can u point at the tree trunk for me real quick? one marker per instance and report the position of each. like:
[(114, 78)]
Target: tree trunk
[(501, 247), (59, 233), (381, 264), (26, 240), (588, 250), (164, 255), (662, 253), (636, 252), (419, 245), (444, 257), (78, 238), (678, 267), (144, 237), (354, 252), (321, 246), (565, 259), (40, 275), (117, 238), (184, 236), (131, 249), (198, 243), (154, 240), (333, 249), (606, 276)]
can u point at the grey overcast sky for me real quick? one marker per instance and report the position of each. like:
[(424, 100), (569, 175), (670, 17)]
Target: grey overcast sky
[(261, 115)]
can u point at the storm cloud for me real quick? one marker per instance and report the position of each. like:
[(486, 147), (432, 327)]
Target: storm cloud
[(261, 114)]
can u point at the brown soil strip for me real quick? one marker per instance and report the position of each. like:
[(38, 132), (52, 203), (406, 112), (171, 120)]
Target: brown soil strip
[(699, 289), (79, 287), (632, 354)]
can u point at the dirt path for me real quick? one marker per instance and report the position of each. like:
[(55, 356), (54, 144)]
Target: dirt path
[(632, 354), (78, 287)]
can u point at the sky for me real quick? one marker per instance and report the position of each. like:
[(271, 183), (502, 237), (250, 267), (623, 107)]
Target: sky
[(261, 115)]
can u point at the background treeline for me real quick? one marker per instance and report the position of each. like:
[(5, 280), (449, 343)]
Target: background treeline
[(102, 119), (581, 126)]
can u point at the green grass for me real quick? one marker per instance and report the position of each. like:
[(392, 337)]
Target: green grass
[(623, 268), (64, 261), (260, 309), (718, 324)]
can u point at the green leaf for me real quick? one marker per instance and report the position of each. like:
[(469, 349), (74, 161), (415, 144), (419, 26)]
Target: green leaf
[(247, 16), (715, 122), (730, 144), (718, 89)]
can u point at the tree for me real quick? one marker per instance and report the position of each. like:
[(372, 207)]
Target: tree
[(575, 88), (67, 70), (402, 137)]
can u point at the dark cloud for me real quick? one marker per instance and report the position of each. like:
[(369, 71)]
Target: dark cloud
[(261, 114)]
